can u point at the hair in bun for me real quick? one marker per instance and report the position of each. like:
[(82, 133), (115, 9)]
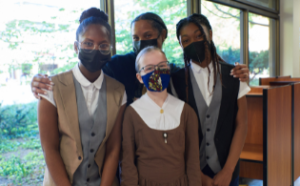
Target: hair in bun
[(93, 12), (93, 16)]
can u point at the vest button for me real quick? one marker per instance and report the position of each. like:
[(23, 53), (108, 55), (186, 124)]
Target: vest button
[(92, 150), (89, 165), (79, 157), (88, 179), (208, 130), (207, 116), (207, 157), (93, 134), (207, 144)]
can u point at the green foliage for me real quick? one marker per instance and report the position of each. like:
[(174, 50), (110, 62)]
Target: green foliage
[(258, 61), (21, 170), (171, 11), (15, 144), (18, 121)]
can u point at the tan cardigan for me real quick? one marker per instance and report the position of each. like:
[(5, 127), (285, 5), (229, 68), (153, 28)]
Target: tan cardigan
[(70, 142)]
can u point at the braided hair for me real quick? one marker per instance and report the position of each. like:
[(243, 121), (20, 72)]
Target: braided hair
[(199, 20)]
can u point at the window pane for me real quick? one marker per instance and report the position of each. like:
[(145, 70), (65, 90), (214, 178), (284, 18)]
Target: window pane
[(171, 11), (35, 37), (225, 22), (262, 43), (265, 3)]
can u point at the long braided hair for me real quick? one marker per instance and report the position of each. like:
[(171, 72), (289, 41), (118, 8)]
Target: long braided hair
[(210, 49)]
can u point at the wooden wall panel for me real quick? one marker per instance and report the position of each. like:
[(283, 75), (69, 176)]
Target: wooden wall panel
[(279, 109)]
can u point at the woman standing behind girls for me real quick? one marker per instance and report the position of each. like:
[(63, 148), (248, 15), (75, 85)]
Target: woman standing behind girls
[(80, 121), (147, 29), (218, 99), (160, 139)]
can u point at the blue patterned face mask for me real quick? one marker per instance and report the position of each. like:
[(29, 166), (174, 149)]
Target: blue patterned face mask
[(157, 80)]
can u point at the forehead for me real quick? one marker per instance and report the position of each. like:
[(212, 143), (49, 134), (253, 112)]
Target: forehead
[(152, 58), (192, 28), (95, 31), (141, 26)]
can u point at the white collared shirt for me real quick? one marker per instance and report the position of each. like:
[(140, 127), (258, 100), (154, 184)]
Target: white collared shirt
[(90, 90), (166, 117), (202, 75)]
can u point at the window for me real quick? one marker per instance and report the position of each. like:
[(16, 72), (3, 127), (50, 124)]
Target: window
[(261, 47), (225, 22), (171, 11), (271, 4), (35, 37)]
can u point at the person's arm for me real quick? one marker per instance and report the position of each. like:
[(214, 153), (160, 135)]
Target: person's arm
[(240, 71), (192, 160), (224, 177), (49, 136), (129, 174), (113, 146), (40, 82)]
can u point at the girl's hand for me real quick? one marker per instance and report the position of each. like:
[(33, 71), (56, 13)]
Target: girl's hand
[(223, 178), (206, 180), (240, 71), (40, 82)]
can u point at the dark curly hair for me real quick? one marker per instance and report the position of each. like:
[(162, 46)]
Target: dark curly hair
[(93, 16), (155, 21)]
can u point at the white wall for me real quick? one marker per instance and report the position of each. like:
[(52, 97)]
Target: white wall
[(290, 37)]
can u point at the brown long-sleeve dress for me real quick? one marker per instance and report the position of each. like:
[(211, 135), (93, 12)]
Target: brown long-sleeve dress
[(150, 159)]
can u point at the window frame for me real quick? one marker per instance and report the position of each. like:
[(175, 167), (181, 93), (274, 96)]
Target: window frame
[(194, 6), (276, 10), (245, 10)]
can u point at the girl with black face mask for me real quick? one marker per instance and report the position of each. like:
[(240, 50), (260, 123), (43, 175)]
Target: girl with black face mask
[(147, 29), (80, 120), (217, 98)]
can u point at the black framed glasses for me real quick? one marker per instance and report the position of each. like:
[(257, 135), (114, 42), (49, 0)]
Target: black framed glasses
[(104, 48), (150, 68)]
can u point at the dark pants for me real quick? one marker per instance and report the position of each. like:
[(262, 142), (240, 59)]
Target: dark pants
[(207, 171)]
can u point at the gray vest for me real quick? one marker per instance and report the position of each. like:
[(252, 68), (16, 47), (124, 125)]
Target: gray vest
[(208, 118), (92, 133)]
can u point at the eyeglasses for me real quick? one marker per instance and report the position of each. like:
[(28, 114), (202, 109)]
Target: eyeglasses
[(150, 68), (90, 46)]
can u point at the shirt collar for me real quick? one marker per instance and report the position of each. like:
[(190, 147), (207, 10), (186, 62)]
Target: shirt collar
[(197, 69), (86, 83)]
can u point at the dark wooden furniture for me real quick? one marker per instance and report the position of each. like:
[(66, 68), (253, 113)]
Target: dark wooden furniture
[(265, 81), (267, 151), (278, 81), (296, 131)]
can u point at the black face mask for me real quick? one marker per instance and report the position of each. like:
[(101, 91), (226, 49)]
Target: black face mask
[(140, 45), (93, 60), (195, 51)]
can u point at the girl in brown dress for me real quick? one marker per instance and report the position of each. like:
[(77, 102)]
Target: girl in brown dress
[(160, 132)]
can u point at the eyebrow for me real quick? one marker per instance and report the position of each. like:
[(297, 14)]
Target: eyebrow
[(93, 41), (194, 33), (147, 32)]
